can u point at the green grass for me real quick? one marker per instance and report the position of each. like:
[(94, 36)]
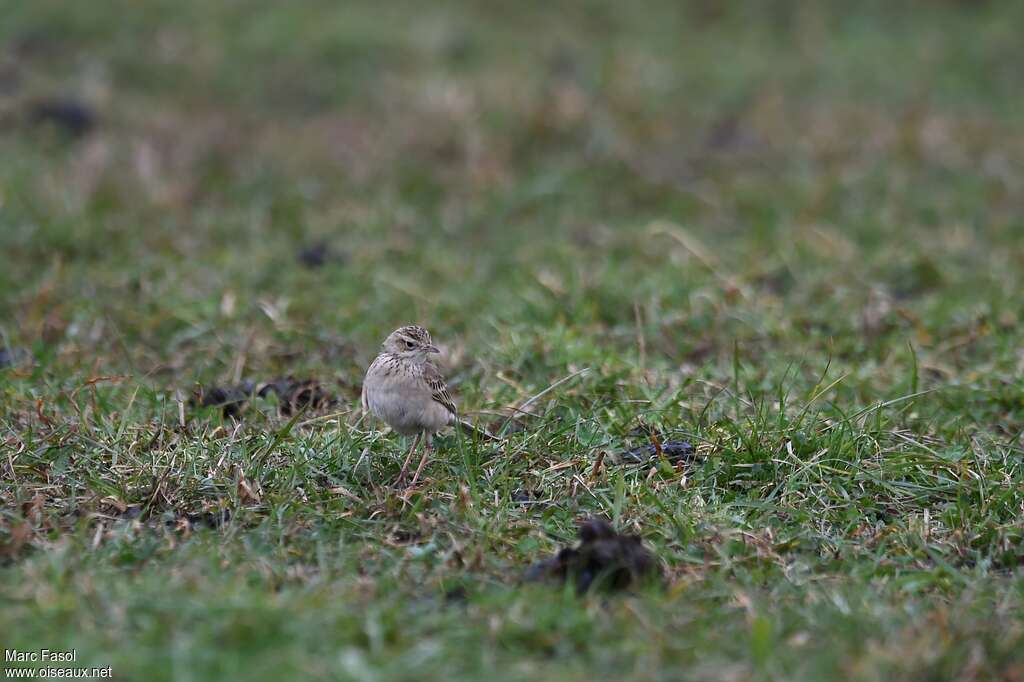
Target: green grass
[(789, 234)]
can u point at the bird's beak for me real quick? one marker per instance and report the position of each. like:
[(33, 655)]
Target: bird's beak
[(432, 349)]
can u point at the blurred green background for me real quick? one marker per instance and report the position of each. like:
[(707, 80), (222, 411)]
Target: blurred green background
[(787, 231)]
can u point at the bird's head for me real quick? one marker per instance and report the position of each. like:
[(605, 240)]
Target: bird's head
[(412, 342)]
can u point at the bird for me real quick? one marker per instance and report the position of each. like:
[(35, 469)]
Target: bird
[(406, 390)]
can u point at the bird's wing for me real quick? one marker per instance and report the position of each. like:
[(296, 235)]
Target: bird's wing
[(438, 389), (363, 397)]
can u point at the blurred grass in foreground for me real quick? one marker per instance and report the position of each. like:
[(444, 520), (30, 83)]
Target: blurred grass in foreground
[(788, 232)]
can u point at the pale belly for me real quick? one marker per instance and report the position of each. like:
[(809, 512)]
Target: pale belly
[(406, 414)]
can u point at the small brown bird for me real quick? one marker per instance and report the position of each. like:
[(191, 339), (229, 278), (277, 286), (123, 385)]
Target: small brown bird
[(405, 389)]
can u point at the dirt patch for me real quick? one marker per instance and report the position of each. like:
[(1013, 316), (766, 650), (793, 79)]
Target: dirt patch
[(317, 255), (604, 559), (12, 357), (528, 496), (70, 116), (675, 451), (231, 399), (296, 395), (293, 395)]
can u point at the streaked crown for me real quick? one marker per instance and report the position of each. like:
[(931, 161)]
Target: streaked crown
[(410, 340)]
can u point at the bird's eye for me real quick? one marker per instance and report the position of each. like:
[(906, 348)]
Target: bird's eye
[(409, 344)]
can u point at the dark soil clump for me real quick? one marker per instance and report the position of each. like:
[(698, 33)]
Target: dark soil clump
[(603, 559), (293, 395)]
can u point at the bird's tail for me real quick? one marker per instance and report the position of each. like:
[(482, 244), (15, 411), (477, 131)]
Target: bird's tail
[(471, 430)]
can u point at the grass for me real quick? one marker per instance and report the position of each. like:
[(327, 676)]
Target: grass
[(790, 235)]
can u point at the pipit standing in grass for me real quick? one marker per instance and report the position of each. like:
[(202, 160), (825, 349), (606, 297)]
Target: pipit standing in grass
[(405, 389)]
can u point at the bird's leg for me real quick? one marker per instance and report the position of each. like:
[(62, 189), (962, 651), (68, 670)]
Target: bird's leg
[(423, 460), (408, 458)]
